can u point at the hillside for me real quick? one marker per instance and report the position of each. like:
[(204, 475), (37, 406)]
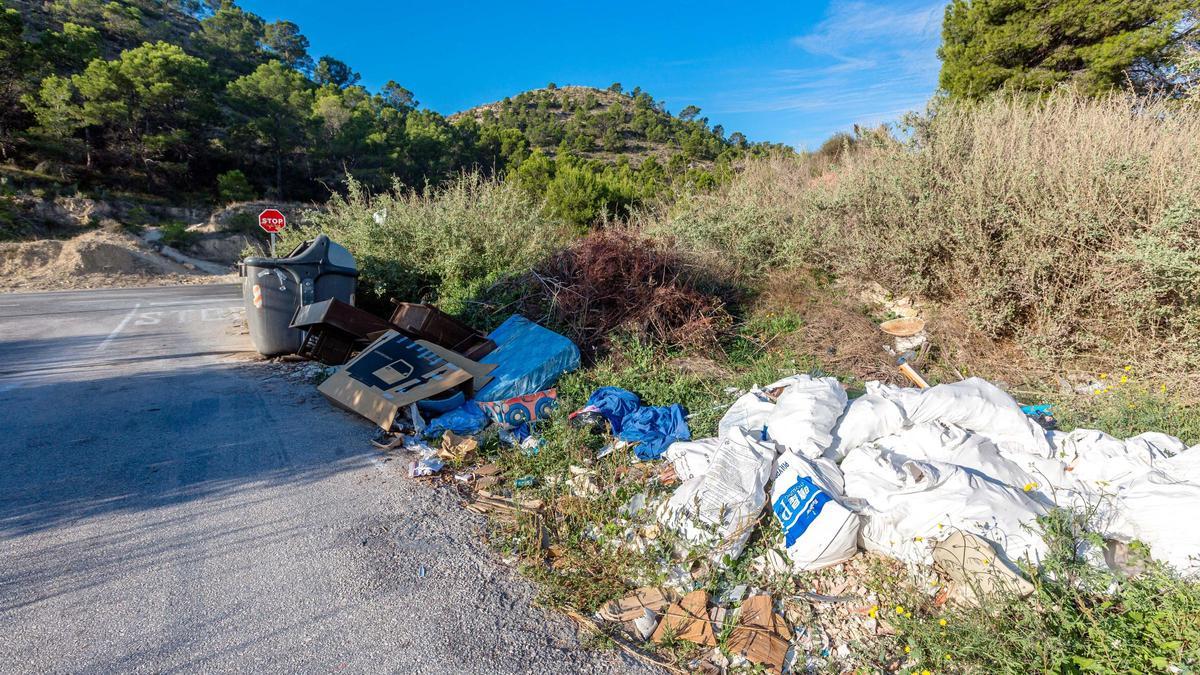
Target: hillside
[(608, 124)]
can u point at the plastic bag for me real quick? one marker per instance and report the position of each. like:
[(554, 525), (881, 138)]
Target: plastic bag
[(976, 405), (654, 428), (806, 413), (720, 507), (818, 530)]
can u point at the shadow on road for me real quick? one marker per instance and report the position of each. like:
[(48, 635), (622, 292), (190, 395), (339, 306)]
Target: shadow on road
[(76, 450)]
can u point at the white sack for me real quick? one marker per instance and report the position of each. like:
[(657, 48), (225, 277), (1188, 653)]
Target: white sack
[(749, 412), (806, 413), (1162, 512), (1184, 466), (727, 499), (867, 418), (1104, 463), (913, 505), (976, 405), (691, 458), (938, 442), (818, 530)]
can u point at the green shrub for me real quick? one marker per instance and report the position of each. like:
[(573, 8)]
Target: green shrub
[(176, 235), (233, 186), (446, 244)]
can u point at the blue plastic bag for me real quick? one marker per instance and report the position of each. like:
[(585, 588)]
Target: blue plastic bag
[(614, 403), (465, 419), (654, 428), (529, 358)]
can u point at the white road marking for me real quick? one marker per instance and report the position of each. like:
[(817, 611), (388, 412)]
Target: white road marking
[(10, 304), (200, 301), (120, 327)]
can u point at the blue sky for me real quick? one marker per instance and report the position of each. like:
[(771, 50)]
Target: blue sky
[(789, 72)]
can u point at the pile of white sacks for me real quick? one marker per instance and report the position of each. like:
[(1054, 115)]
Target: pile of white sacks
[(897, 470)]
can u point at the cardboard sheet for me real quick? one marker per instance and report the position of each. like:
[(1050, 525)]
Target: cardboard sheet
[(687, 620), (393, 372), (762, 636)]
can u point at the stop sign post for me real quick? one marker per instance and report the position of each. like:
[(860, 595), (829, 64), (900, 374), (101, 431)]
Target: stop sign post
[(272, 221)]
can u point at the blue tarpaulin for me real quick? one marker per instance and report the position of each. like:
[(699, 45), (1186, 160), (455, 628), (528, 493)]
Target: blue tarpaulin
[(529, 358), (654, 428)]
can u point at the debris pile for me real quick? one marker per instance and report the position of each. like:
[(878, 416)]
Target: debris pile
[(947, 481), (610, 281)]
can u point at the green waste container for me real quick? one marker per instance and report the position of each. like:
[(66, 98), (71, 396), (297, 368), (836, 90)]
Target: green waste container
[(274, 288)]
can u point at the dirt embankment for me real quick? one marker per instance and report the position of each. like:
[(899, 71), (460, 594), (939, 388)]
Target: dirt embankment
[(96, 259)]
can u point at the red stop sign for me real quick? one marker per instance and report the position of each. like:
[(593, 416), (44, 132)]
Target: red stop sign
[(271, 220)]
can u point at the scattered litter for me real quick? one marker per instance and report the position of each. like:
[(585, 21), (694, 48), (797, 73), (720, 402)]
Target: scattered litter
[(524, 482), (425, 467), (654, 428), (687, 620), (457, 448), (761, 636), (486, 502), (633, 605)]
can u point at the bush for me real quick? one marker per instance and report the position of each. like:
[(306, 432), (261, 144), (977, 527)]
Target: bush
[(176, 235), (445, 244), (1066, 224), (233, 186)]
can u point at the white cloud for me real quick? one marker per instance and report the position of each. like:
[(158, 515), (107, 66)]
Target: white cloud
[(865, 62)]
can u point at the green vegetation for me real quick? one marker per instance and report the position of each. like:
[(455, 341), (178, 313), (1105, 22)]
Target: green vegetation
[(447, 242), (203, 103), (1101, 45), (1067, 225), (1079, 619)]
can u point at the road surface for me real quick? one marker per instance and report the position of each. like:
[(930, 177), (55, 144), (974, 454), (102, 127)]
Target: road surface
[(166, 504)]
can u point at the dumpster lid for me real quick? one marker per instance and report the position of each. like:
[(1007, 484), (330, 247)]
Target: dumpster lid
[(322, 251)]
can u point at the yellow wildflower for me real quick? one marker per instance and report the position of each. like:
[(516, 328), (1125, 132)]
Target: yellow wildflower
[(873, 611), (1128, 368), (947, 657), (941, 622), (918, 538), (1104, 376), (926, 672), (900, 609), (1124, 379), (1030, 486), (907, 649), (1163, 388)]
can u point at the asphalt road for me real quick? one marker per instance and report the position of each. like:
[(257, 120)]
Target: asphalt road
[(168, 505)]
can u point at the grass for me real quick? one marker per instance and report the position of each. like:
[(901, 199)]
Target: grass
[(1078, 620)]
